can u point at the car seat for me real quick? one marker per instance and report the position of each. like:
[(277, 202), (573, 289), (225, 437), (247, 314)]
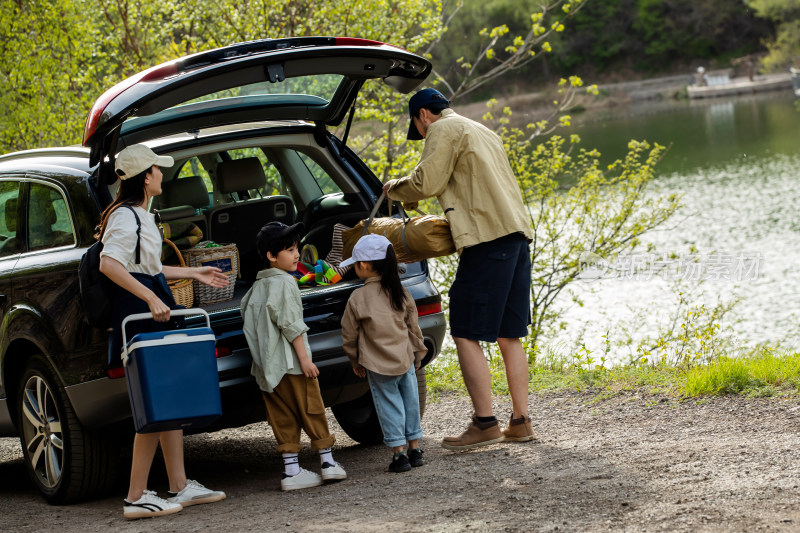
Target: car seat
[(42, 216), (240, 221), (183, 200)]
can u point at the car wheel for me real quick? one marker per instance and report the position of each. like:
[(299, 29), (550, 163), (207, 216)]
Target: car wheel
[(65, 462), (359, 420)]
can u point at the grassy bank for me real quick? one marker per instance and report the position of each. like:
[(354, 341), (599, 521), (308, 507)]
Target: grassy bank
[(761, 373)]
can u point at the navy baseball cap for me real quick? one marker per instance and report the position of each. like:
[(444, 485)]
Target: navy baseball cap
[(275, 230), (418, 101)]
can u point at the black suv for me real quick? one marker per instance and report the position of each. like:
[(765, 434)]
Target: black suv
[(247, 127)]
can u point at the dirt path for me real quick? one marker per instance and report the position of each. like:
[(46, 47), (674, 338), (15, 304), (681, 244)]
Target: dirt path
[(624, 464)]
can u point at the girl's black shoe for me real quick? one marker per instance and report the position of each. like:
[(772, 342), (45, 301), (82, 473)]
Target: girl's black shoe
[(415, 458), (400, 464)]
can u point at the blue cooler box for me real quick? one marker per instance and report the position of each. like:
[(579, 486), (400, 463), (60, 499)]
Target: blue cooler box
[(172, 377)]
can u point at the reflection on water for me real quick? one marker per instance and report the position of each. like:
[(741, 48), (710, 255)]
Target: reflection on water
[(700, 133), (737, 165)]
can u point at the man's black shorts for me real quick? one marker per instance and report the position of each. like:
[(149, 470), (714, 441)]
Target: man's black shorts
[(490, 296)]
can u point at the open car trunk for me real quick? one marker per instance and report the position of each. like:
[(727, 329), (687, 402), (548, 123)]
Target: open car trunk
[(313, 79)]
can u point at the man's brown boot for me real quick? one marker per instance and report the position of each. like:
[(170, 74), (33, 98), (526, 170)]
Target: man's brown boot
[(519, 429), (477, 434)]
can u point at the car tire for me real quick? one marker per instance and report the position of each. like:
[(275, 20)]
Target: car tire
[(65, 462), (359, 419)]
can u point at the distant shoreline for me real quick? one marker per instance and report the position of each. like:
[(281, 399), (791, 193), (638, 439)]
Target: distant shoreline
[(661, 92)]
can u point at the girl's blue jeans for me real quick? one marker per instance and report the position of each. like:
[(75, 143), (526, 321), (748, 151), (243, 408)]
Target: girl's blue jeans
[(396, 401)]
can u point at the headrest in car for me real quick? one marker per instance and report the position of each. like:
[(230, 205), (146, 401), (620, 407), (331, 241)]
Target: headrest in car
[(190, 190), (11, 214), (41, 203), (240, 175)]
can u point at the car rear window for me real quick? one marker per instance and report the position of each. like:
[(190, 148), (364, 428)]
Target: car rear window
[(321, 86)]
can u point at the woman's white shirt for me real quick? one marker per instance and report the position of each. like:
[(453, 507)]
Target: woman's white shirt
[(119, 241)]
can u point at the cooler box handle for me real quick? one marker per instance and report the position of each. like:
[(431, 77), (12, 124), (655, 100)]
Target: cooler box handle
[(146, 316)]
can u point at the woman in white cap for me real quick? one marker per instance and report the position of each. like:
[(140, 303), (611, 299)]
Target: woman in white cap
[(131, 258)]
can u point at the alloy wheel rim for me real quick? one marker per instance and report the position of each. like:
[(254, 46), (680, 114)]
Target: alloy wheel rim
[(42, 433)]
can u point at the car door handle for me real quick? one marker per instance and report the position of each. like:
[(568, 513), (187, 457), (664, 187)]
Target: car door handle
[(2, 298)]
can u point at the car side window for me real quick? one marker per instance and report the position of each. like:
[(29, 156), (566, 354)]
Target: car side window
[(193, 167), (9, 201), (49, 225), (324, 181)]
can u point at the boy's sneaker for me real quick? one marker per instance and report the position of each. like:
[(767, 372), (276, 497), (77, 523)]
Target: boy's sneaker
[(519, 430), (303, 480), (477, 434), (194, 493), (149, 505), (415, 457), (333, 472), (399, 464)]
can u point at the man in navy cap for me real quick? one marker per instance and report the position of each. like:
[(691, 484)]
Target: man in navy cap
[(464, 165)]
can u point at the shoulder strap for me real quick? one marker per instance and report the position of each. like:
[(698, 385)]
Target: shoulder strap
[(374, 212), (138, 231)]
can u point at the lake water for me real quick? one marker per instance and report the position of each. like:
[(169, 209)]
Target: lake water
[(737, 165)]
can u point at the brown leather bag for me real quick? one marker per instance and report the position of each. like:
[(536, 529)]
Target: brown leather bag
[(413, 239)]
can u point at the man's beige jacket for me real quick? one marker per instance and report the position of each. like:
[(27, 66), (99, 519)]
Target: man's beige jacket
[(465, 166)]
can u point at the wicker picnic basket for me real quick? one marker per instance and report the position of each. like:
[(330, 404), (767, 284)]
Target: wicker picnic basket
[(181, 288), (226, 258)]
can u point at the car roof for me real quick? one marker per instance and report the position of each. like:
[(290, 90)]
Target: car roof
[(73, 160)]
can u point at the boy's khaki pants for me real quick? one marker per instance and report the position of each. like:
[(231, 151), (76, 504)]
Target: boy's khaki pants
[(294, 404)]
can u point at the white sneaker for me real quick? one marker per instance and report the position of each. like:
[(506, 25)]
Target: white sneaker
[(149, 505), (333, 472), (194, 493), (303, 480)]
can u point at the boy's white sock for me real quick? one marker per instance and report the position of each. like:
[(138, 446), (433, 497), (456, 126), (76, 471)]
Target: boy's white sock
[(290, 465), (325, 456)]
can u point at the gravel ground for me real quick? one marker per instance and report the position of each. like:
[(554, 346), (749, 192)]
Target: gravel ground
[(628, 463)]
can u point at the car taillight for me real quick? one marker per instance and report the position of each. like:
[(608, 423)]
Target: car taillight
[(223, 351), (116, 373), (429, 309)]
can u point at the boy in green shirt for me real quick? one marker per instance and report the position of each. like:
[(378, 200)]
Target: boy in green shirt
[(282, 366)]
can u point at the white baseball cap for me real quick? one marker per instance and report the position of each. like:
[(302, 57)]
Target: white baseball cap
[(136, 159), (371, 247)]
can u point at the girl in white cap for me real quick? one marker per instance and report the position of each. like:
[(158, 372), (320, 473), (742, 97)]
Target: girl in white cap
[(381, 336), (131, 258)]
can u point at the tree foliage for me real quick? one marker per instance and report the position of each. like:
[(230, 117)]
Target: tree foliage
[(50, 72), (638, 35), (784, 49)]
